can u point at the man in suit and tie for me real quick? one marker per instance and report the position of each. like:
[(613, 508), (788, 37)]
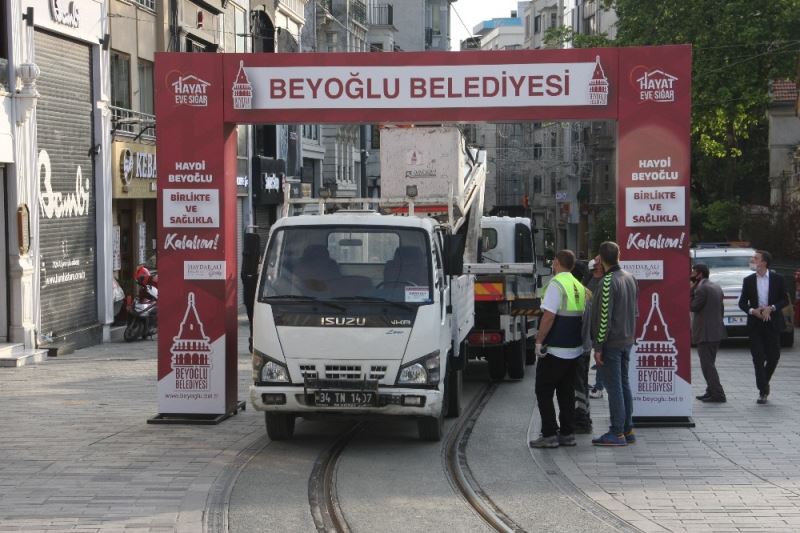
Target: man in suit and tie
[(707, 329), (763, 297)]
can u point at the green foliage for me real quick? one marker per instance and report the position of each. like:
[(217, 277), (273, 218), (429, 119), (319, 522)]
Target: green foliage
[(739, 45), (778, 232), (603, 229), (720, 220), (558, 36)]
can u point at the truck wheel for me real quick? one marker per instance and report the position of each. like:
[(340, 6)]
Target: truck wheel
[(280, 426), (497, 364), (454, 387), (515, 353), (431, 428)]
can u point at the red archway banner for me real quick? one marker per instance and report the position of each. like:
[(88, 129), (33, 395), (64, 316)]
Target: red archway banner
[(201, 97)]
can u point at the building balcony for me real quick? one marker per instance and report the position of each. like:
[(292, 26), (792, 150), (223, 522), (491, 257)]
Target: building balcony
[(130, 123), (147, 4), (381, 15), (358, 11)]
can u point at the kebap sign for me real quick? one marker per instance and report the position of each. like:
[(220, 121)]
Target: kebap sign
[(201, 98)]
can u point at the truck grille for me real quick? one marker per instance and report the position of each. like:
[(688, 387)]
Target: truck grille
[(308, 371), (377, 372), (343, 371)]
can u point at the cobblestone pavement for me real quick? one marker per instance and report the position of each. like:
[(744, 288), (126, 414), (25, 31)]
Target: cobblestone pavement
[(737, 470), (77, 453)]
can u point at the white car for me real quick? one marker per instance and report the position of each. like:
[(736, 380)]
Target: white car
[(735, 319), (722, 257)]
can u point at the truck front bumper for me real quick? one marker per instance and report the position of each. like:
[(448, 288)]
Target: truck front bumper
[(393, 401)]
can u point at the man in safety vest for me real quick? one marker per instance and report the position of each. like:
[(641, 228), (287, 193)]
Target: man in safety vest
[(560, 329)]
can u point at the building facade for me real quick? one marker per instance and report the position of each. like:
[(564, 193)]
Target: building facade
[(784, 144)]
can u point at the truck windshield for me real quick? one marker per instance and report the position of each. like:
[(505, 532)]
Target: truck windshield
[(344, 262)]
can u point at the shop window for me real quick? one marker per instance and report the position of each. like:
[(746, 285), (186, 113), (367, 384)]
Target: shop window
[(146, 87), (120, 80)]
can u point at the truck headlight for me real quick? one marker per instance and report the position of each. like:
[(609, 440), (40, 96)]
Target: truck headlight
[(422, 371), (269, 370)]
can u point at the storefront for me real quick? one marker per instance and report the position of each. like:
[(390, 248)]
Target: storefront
[(72, 237), (133, 171)]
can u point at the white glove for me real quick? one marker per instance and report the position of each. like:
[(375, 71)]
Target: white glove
[(539, 353)]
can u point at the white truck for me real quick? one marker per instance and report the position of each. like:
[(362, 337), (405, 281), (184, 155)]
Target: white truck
[(366, 313), (505, 302)]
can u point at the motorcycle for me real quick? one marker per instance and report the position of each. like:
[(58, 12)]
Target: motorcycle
[(143, 310)]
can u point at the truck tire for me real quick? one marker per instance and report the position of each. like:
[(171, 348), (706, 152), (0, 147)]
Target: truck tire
[(280, 426), (515, 355), (497, 364), (431, 428), (454, 387)]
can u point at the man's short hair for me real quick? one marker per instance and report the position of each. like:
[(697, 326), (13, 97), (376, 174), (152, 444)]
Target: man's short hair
[(701, 268), (566, 258), (766, 256), (609, 253)]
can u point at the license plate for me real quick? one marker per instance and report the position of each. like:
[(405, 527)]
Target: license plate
[(344, 398), (735, 320)]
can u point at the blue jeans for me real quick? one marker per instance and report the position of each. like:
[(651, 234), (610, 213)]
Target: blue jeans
[(615, 378)]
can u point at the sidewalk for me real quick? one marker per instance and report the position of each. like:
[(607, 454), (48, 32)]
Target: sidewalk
[(78, 454), (737, 470)]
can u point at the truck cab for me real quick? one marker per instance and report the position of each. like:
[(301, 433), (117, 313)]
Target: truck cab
[(505, 304), (356, 313)]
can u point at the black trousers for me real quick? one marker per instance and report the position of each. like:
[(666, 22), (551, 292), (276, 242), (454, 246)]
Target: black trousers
[(582, 412), (556, 375), (765, 347), (707, 351)]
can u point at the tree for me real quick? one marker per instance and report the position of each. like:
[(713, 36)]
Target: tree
[(603, 229), (720, 220), (739, 45)]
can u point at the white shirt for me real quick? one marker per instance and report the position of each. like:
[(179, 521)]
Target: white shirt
[(762, 284), (551, 302)]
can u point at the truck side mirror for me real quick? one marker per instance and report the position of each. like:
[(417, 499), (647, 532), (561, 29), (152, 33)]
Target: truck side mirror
[(454, 254)]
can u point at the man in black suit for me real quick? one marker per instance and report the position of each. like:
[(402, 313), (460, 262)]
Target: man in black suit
[(763, 297), (707, 329)]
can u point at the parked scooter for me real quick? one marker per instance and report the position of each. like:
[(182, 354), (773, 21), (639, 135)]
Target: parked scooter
[(143, 311)]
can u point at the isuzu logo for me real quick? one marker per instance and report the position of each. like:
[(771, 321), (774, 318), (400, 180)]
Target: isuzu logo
[(343, 321)]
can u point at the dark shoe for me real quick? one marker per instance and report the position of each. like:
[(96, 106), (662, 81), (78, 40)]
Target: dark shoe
[(610, 439), (583, 429), (762, 399), (545, 442), (630, 437), (566, 440), (703, 397), (715, 399)]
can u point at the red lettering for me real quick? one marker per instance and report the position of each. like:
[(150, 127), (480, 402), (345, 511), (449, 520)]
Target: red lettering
[(314, 86), (534, 83), (339, 85), (517, 84), (370, 93), (418, 88), (277, 88), (471, 87), (295, 88), (437, 87), (450, 91), (553, 85), (496, 89)]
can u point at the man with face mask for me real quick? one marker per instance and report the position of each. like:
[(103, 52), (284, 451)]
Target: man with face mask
[(707, 329), (763, 297)]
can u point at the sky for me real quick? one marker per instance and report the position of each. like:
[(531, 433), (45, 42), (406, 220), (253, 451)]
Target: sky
[(474, 11)]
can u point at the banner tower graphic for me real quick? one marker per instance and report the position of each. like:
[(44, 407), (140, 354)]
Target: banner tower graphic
[(656, 357), (598, 86), (242, 90), (191, 351)]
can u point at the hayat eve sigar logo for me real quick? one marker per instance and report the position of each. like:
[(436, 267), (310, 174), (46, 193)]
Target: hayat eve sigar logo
[(189, 90), (657, 86)]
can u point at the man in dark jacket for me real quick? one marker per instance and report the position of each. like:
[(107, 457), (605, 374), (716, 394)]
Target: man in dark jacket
[(763, 297), (707, 329), (614, 312)]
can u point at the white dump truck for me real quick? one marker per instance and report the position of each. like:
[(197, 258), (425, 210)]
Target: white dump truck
[(506, 297), (364, 312)]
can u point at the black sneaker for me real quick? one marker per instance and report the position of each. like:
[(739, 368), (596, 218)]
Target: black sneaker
[(703, 397), (762, 399), (714, 399)]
